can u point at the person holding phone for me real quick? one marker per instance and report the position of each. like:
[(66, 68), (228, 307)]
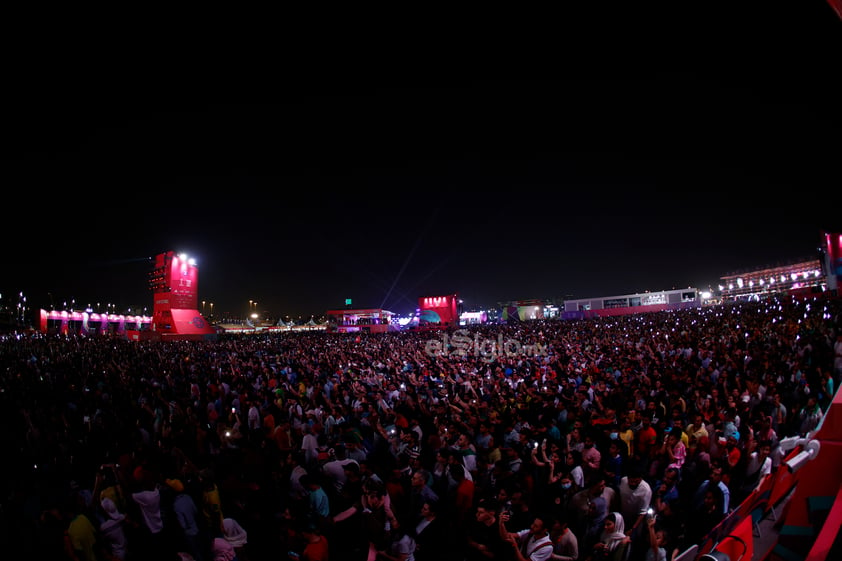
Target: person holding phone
[(530, 544), (657, 540)]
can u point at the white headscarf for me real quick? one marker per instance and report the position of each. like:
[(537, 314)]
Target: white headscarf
[(234, 533), (111, 509), (615, 538)]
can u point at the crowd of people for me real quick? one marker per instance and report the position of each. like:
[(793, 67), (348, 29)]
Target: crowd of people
[(624, 437)]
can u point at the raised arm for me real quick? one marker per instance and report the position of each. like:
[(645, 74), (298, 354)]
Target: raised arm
[(653, 539)]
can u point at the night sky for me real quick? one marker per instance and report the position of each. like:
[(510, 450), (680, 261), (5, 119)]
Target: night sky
[(498, 190)]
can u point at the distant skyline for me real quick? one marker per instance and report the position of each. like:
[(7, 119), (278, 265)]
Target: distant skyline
[(497, 190)]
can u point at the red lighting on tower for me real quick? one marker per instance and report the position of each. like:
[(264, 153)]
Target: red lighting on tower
[(174, 282)]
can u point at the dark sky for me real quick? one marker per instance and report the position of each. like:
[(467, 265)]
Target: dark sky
[(498, 190)]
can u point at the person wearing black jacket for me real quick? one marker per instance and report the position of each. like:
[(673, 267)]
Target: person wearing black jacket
[(431, 534)]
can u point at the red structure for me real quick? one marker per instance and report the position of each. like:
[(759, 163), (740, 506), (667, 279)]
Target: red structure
[(439, 312), (803, 496), (837, 6), (175, 315)]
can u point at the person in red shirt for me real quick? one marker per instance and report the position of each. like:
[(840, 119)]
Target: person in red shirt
[(645, 444), (591, 456), (316, 548), (732, 452), (462, 498)]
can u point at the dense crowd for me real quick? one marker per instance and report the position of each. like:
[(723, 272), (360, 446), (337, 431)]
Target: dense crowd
[(626, 437)]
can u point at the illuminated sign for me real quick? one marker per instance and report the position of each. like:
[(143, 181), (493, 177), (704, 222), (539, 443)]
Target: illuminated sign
[(436, 301), (650, 299)]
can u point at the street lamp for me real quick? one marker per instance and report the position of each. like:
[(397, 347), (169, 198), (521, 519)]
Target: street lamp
[(211, 309), (203, 307)]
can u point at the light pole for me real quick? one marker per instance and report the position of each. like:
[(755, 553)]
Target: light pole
[(211, 309), (203, 307)]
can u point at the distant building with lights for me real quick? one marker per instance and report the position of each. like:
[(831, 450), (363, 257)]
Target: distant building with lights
[(523, 310), (88, 322), (803, 277), (473, 318), (361, 320), (632, 303)]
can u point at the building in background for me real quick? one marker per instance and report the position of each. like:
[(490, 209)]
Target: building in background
[(632, 303), (800, 278), (525, 310), (361, 320)]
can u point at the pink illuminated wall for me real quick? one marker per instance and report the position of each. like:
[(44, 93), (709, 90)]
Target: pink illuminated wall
[(84, 323), (443, 307)]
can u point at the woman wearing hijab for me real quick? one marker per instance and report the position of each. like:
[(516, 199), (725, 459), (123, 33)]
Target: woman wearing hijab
[(236, 536), (112, 529), (613, 542)]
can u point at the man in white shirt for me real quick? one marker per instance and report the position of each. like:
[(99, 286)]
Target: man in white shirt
[(310, 445), (531, 544), (254, 417), (465, 448), (635, 498), (149, 501), (758, 466), (334, 469)]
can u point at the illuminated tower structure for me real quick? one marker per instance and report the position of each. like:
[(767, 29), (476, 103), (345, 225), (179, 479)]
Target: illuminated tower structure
[(174, 282), (833, 259)]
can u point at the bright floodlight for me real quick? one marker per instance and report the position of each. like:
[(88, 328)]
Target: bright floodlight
[(182, 256), (705, 294)]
